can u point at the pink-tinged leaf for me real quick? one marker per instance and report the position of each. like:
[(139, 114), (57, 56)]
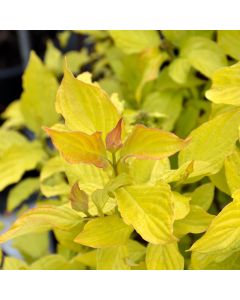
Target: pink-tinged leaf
[(78, 147), (79, 199), (114, 137)]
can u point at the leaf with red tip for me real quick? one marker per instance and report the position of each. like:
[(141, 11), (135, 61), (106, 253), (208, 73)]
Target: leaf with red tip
[(114, 137)]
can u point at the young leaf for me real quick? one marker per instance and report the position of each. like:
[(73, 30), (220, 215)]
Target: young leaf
[(181, 206), (42, 219), (79, 199), (104, 232), (141, 207), (157, 144), (225, 87), (38, 97), (78, 147), (179, 70), (85, 107), (223, 233), (134, 41), (114, 138), (164, 257)]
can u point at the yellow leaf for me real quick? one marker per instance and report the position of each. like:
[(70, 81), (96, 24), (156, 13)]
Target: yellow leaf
[(13, 115), (104, 232), (225, 87), (42, 219), (196, 221), (203, 196), (9, 138), (220, 135), (157, 144), (78, 147), (38, 97), (223, 233), (88, 259), (164, 257), (18, 159), (229, 41), (21, 192), (181, 206), (134, 41), (179, 70), (203, 54), (113, 258), (232, 171), (12, 263), (142, 206), (85, 107)]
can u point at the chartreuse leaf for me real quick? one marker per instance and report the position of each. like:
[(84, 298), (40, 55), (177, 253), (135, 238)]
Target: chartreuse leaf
[(232, 171), (85, 107), (88, 259), (164, 257), (225, 87), (32, 246), (179, 70), (168, 103), (114, 258), (219, 180), (104, 232), (13, 115), (196, 221), (17, 159), (203, 54), (220, 135), (147, 171), (141, 206), (21, 192), (134, 41), (181, 206), (78, 147), (203, 196), (12, 263), (157, 143), (223, 233), (38, 97), (136, 252), (42, 219), (200, 261), (9, 138), (229, 41)]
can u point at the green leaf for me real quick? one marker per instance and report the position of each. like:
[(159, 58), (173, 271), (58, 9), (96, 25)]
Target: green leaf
[(104, 232), (223, 233), (196, 221), (203, 196), (220, 135), (164, 257), (78, 147), (84, 106), (204, 55), (18, 159), (225, 87), (157, 144), (229, 41), (134, 41), (42, 219), (141, 207), (113, 258), (38, 97), (21, 192)]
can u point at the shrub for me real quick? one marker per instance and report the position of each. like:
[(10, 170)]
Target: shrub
[(125, 192)]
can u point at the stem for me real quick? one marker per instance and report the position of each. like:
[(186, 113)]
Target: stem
[(114, 164)]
